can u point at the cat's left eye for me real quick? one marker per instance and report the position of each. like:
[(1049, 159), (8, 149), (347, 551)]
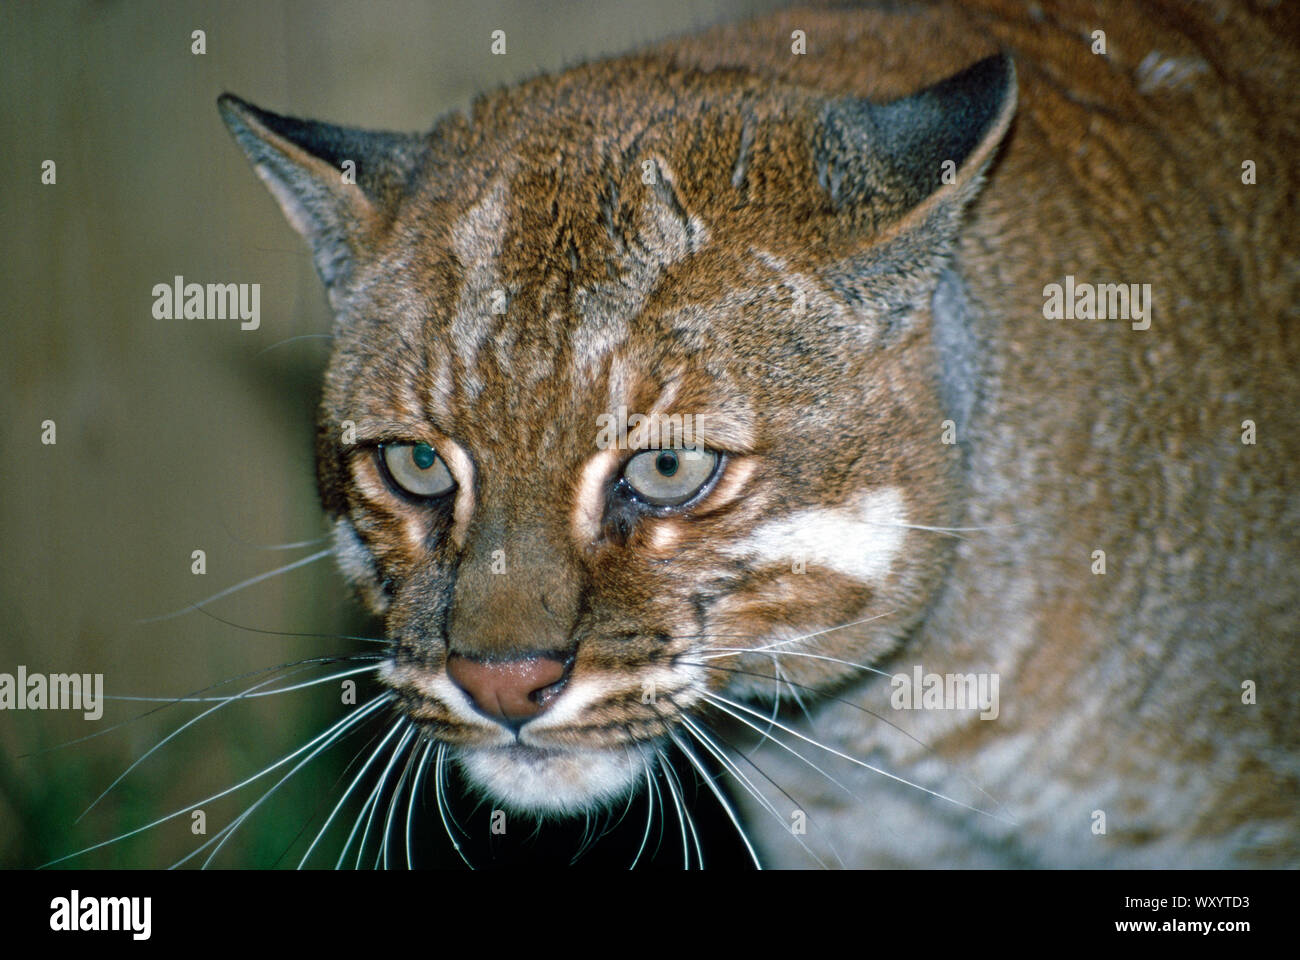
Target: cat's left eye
[(666, 478), (417, 469)]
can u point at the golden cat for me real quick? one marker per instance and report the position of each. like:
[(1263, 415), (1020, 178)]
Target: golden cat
[(982, 318)]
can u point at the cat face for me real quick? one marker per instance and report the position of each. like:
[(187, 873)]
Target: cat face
[(632, 380)]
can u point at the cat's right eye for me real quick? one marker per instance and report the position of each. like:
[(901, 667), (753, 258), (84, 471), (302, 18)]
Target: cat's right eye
[(668, 478), (417, 469)]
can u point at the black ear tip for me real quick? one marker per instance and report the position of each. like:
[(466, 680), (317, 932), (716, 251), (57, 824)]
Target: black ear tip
[(1006, 68), (981, 94), (992, 74), (995, 73), (999, 65)]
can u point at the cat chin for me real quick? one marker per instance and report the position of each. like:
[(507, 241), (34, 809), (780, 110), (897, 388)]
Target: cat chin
[(552, 782)]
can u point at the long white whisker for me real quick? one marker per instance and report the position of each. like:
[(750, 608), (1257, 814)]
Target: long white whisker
[(806, 636), (371, 800), (415, 789), (765, 734), (342, 800), (690, 819), (374, 704), (861, 763), (175, 733), (296, 545), (794, 689), (301, 336), (228, 831), (451, 814), (168, 701), (240, 586), (949, 531), (856, 706), (650, 812), (627, 807), (734, 769), (246, 695), (439, 793), (361, 815), (397, 793), (705, 741), (235, 825), (726, 651), (379, 792), (663, 810), (670, 777), (717, 792), (776, 698)]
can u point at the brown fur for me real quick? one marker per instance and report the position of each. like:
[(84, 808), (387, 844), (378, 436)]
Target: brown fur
[(1122, 693)]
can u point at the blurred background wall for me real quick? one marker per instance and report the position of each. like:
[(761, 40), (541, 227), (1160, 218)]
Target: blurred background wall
[(180, 435)]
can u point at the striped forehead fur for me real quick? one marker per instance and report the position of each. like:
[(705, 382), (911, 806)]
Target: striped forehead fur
[(646, 228), (476, 240)]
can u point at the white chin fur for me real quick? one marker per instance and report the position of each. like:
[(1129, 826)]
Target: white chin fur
[(552, 782)]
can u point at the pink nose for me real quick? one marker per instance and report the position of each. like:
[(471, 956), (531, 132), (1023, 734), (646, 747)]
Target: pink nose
[(511, 691)]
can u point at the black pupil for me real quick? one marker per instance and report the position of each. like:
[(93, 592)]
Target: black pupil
[(423, 456), (666, 463)]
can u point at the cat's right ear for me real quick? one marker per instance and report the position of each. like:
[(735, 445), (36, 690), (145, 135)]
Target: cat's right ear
[(338, 186)]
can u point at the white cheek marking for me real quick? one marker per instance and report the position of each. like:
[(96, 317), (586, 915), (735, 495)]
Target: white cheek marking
[(860, 541), (354, 560)]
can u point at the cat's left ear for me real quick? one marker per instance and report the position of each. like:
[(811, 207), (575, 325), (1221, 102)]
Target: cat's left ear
[(899, 175), (338, 186), (903, 160)]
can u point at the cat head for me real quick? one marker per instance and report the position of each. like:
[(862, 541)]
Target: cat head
[(634, 396)]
